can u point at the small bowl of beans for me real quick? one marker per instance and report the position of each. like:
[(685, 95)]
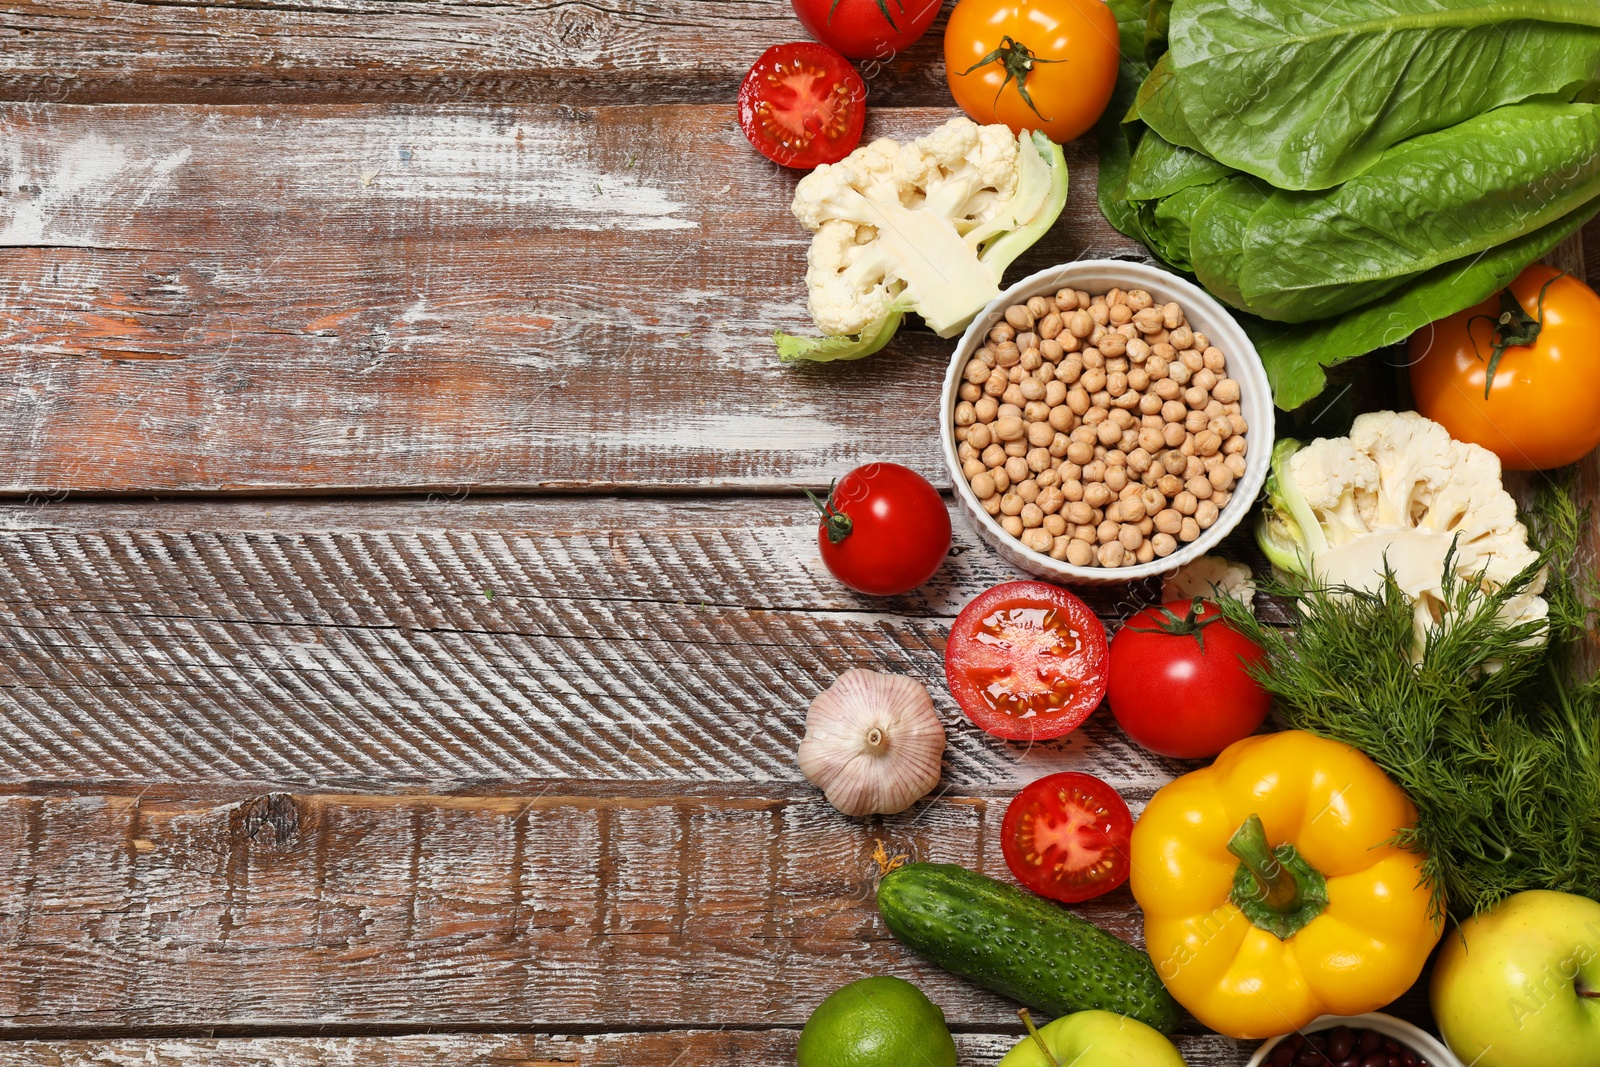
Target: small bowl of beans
[(1105, 421), (1374, 1040)]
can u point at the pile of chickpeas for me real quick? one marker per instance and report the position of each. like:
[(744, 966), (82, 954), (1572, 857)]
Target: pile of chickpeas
[(1100, 430)]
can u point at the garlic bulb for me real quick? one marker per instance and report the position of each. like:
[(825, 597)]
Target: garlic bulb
[(873, 743)]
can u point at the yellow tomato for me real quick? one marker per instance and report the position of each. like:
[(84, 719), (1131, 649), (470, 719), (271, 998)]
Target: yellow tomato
[(1543, 408), (1045, 65)]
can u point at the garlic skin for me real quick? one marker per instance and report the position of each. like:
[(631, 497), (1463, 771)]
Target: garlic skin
[(873, 743)]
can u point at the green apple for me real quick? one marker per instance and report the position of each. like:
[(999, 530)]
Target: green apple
[(1096, 1039), (1519, 985)]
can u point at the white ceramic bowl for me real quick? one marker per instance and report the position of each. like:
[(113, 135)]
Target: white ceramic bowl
[(1207, 317), (1417, 1040)]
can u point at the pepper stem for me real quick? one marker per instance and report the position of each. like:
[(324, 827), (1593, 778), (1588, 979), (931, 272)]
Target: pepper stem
[(1033, 1032), (1276, 888)]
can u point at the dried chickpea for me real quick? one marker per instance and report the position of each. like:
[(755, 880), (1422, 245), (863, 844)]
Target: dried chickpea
[(1198, 487), (1235, 463), (972, 468), (1011, 504), (1017, 468), (1185, 503), (1191, 530), (1040, 434), (1009, 428), (1079, 554), (1174, 435), (1055, 525), (1130, 537), (1221, 477), (1059, 445), (982, 485), (995, 385), (969, 392), (980, 436), (1181, 337), (1205, 514), (1038, 460), (1116, 479), (1011, 525), (1032, 515), (1195, 421), (991, 504), (1036, 539), (1111, 555), (1002, 480), (1097, 494), (1164, 544)]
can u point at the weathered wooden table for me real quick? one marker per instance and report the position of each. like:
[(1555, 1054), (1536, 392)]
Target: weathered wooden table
[(407, 610)]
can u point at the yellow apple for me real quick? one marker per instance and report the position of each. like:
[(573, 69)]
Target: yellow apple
[(1519, 985), (1096, 1039)]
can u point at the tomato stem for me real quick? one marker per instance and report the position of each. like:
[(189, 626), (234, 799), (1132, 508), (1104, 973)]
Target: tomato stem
[(883, 6), (839, 524), (1018, 60), (1514, 326), (1190, 625), (1033, 1032)]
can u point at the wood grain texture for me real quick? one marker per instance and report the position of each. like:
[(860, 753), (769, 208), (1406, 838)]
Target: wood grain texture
[(534, 912), (418, 51), (358, 644), (313, 298), (684, 1048)]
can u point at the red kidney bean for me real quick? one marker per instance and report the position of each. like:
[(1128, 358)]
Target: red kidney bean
[(1340, 1041)]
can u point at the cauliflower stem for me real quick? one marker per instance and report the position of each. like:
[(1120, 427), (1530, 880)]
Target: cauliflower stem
[(929, 226)]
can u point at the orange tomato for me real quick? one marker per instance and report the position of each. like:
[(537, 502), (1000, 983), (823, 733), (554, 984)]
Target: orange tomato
[(1045, 65), (1543, 408)]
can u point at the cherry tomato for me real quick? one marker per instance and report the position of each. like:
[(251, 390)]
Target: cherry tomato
[(1065, 837), (1027, 661), (884, 529), (803, 105), (1180, 683), (1033, 64), (867, 29), (1543, 407)]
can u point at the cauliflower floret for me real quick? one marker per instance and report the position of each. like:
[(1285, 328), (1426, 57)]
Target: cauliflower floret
[(1398, 494), (1210, 577), (928, 226)]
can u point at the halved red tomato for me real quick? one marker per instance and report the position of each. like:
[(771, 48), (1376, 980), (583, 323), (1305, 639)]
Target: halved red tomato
[(802, 105), (1066, 837), (1027, 661)]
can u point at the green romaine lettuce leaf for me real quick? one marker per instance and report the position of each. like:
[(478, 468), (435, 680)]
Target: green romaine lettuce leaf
[(1160, 168), (1434, 199), (1294, 356), (1309, 93)]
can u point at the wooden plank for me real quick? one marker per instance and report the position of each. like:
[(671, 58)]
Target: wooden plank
[(425, 51), (294, 298), (536, 912), (355, 644), (684, 1048)]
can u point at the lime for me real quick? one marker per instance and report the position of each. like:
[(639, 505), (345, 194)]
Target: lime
[(877, 1022)]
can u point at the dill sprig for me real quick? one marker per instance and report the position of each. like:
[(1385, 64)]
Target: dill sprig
[(1491, 736)]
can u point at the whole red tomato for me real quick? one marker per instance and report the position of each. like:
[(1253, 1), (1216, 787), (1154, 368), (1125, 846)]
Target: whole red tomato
[(867, 29), (1180, 682), (884, 529), (803, 105), (1066, 837), (1542, 408), (1026, 661)]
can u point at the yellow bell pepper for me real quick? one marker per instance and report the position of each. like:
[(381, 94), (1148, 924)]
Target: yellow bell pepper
[(1270, 894)]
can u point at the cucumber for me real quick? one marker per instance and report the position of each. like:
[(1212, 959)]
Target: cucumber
[(1020, 945)]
